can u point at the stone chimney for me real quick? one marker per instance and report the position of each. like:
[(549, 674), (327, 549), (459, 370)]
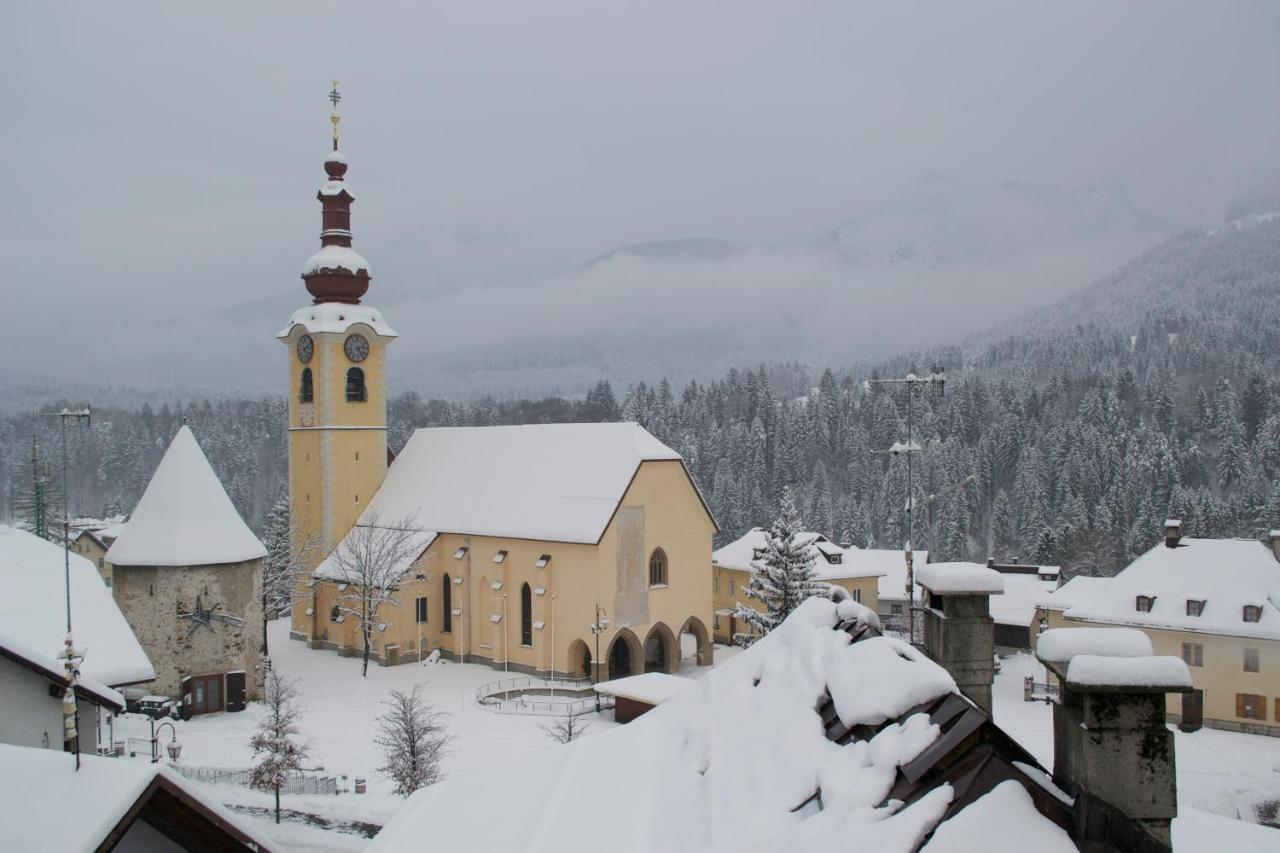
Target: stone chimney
[(959, 633), (1172, 532), (1111, 748), (1275, 542)]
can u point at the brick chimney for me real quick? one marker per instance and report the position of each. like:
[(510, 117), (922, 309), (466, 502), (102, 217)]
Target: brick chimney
[(959, 633), (1111, 748), (1172, 532)]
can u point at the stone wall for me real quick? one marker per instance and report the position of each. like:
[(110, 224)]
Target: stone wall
[(151, 599)]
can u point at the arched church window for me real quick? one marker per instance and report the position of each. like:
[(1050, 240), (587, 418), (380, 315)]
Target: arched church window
[(526, 616), (658, 568), (446, 598), (305, 391), (355, 385)]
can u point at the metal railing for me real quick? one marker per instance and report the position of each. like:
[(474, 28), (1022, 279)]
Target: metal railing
[(298, 783), (517, 696), (1037, 691)]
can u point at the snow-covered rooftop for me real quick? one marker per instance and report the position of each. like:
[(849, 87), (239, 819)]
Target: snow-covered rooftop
[(1226, 573), (732, 763), (653, 688), (337, 317), (892, 585), (1017, 604), (415, 544), (957, 578), (1161, 673), (184, 517), (33, 610), (1060, 645), (1071, 593), (47, 804), (557, 482), (53, 667), (830, 561)]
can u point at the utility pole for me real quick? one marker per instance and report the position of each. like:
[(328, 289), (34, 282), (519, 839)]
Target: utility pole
[(936, 381), (70, 654)]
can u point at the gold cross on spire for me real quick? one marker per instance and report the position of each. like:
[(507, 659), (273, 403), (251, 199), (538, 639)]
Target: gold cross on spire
[(334, 97)]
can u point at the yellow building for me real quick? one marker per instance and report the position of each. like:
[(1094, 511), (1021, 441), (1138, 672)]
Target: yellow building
[(90, 546), (1210, 602), (854, 570), (523, 538)]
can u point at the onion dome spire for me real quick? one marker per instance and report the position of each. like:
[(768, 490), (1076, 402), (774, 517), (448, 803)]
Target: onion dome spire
[(336, 273)]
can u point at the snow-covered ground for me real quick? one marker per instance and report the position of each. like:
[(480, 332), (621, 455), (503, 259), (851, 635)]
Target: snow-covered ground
[(339, 716), (1221, 772)]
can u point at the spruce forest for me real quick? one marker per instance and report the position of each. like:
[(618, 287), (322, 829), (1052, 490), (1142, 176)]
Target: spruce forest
[(1066, 437)]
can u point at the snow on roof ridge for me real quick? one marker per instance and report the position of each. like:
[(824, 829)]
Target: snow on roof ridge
[(337, 317), (54, 666), (185, 517)]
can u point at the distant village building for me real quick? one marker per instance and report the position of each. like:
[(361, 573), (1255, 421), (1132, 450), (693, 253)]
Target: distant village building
[(1211, 602), (892, 586), (1013, 610), (93, 537), (47, 803), (854, 570), (188, 577), (525, 537)]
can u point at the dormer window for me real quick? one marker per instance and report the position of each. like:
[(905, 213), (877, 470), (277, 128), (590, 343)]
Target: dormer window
[(757, 553), (1195, 606), (1252, 613), (1145, 602), (835, 559)]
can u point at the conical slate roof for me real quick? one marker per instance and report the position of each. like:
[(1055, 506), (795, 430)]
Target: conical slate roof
[(185, 517)]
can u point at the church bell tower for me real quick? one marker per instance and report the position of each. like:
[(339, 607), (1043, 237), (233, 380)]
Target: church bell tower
[(337, 380)]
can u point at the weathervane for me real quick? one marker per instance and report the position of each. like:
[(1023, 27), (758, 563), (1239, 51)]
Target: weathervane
[(334, 97), (204, 616)]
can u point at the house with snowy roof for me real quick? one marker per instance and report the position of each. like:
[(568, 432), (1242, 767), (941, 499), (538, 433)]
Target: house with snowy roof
[(92, 539), (188, 578), (1014, 609), (50, 802), (828, 735), (855, 570), (522, 539), (1214, 603)]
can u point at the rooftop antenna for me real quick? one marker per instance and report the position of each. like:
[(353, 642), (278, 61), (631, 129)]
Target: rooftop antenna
[(936, 382)]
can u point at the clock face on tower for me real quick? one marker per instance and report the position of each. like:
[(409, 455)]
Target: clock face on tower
[(356, 348), (305, 348)]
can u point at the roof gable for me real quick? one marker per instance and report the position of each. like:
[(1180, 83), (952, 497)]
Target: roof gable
[(184, 517), (557, 482)]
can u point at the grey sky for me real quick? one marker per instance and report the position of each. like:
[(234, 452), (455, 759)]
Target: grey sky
[(162, 159)]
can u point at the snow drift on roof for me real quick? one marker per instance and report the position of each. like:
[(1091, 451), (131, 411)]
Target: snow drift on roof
[(33, 609), (730, 764), (893, 583), (1157, 672), (1059, 645), (1008, 806), (652, 687), (854, 563), (1071, 593), (1227, 573), (184, 517), (960, 578), (337, 317), (54, 668), (336, 258), (558, 482), (1017, 604)]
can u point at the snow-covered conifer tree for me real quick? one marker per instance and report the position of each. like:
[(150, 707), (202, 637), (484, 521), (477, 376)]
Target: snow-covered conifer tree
[(277, 738), (413, 737), (783, 576), (287, 562)]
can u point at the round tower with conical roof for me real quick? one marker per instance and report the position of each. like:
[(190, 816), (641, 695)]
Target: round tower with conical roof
[(337, 385)]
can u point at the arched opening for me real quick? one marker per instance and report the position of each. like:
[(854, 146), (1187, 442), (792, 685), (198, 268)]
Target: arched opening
[(626, 656), (578, 664), (446, 600), (658, 568), (695, 642), (526, 616), (355, 385), (306, 390), (661, 654)]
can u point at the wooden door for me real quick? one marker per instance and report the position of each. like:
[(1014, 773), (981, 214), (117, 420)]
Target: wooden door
[(1192, 711), (207, 694), (235, 691)]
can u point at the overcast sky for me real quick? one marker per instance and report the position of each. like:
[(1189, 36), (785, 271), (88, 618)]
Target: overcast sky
[(162, 158)]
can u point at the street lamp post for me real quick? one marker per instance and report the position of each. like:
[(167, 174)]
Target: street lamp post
[(597, 628), (172, 747)]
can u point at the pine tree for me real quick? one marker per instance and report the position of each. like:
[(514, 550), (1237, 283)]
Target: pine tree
[(277, 738), (287, 563), (783, 577), (413, 737)]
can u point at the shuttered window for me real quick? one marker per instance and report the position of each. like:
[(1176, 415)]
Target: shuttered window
[(1250, 706), (1193, 654)]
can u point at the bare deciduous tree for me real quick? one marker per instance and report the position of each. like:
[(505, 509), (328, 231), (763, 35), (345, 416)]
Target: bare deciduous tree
[(565, 729), (372, 561), (277, 737), (413, 737)]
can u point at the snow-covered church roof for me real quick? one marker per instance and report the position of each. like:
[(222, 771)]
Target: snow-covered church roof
[(33, 609), (824, 735), (184, 517), (558, 482), (1227, 575)]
